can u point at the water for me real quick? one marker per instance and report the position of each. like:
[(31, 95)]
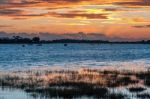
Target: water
[(8, 93), (73, 55), (15, 56)]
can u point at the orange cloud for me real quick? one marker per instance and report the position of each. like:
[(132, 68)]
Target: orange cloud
[(106, 16), (78, 15)]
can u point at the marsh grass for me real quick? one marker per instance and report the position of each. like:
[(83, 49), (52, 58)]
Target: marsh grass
[(94, 93), (136, 89), (144, 96), (44, 79), (116, 96), (71, 92), (77, 83)]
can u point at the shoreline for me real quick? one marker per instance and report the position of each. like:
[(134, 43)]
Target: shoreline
[(113, 43)]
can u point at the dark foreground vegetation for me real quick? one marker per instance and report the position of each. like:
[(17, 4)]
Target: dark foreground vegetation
[(21, 40), (87, 83), (75, 90), (91, 92)]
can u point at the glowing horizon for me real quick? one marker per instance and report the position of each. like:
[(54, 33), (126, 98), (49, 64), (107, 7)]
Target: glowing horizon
[(118, 18)]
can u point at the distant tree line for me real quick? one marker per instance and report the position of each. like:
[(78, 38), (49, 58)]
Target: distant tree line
[(18, 39), (34, 40)]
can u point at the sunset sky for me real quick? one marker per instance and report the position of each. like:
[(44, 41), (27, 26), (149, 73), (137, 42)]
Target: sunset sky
[(114, 18)]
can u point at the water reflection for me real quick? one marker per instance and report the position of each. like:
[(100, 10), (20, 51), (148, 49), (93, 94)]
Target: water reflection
[(12, 93)]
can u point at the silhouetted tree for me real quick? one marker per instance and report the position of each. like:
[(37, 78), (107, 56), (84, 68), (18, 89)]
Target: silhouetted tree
[(36, 39)]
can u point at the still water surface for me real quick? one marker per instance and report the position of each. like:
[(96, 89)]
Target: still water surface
[(73, 55)]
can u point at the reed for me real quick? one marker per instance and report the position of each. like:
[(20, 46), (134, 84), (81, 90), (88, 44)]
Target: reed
[(136, 89), (144, 96), (75, 83)]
